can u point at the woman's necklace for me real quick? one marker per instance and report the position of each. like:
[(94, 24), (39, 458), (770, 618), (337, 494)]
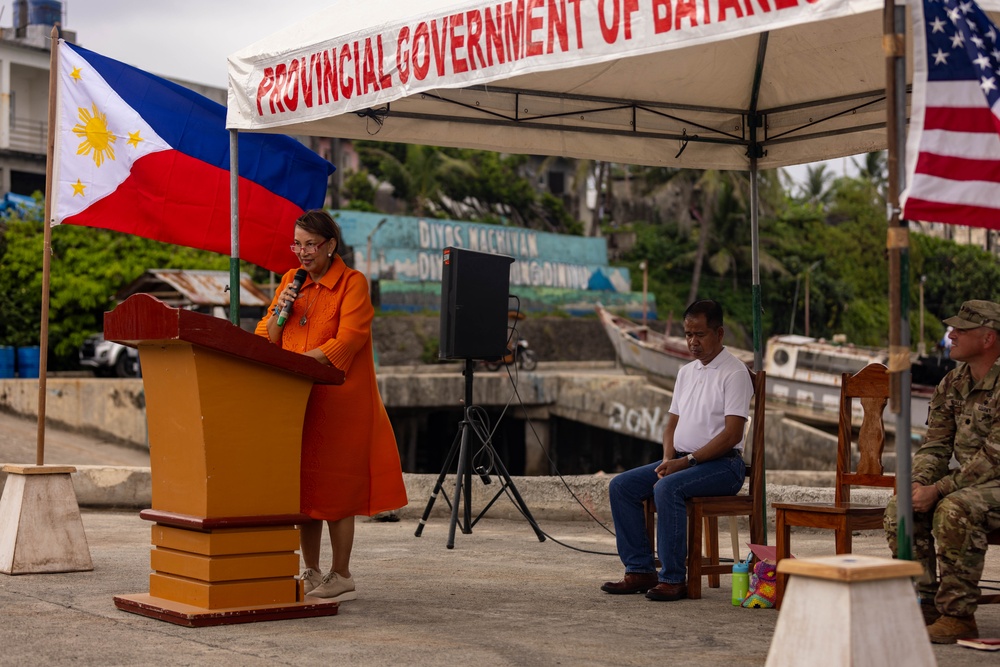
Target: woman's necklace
[(305, 315)]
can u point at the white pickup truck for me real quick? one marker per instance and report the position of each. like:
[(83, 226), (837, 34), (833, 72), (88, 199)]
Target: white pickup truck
[(109, 359)]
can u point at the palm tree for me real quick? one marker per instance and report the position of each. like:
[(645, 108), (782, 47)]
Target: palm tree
[(873, 170), (417, 178), (817, 187), (873, 166), (732, 247)]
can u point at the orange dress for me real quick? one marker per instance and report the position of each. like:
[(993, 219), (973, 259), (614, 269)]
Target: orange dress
[(350, 463)]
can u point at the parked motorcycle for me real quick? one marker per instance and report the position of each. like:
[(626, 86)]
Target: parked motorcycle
[(523, 355)]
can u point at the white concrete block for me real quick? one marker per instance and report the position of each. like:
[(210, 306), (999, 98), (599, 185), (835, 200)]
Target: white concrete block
[(41, 530), (854, 611)]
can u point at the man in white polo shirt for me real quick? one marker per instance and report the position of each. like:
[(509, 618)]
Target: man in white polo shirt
[(702, 456)]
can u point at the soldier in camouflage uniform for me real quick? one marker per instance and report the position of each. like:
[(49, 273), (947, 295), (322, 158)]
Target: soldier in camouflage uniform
[(954, 509)]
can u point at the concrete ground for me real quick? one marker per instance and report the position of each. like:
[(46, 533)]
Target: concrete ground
[(500, 597), (19, 444)]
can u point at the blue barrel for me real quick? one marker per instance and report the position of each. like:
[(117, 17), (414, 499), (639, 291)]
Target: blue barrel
[(6, 361), (27, 361)]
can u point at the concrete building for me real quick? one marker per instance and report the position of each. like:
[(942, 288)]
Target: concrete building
[(987, 239), (24, 95), (25, 51)]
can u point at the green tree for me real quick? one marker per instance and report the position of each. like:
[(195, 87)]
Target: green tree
[(88, 267), (873, 169), (359, 191), (817, 187), (465, 184), (955, 273), (417, 177)]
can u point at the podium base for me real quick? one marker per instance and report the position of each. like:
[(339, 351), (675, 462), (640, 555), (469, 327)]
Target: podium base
[(198, 617)]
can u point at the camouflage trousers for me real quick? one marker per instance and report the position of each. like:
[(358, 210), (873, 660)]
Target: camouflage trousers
[(950, 542)]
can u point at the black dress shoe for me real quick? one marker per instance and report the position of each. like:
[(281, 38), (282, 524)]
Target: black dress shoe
[(633, 582), (664, 592)]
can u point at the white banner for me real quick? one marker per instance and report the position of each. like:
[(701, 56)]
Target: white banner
[(302, 73)]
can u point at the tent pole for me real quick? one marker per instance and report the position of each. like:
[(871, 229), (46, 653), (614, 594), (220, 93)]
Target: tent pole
[(234, 229), (755, 151), (758, 356), (898, 243), (758, 361)]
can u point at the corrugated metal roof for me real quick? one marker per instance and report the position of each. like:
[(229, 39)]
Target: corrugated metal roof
[(198, 287)]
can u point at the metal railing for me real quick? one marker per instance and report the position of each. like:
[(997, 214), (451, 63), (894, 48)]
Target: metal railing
[(28, 136)]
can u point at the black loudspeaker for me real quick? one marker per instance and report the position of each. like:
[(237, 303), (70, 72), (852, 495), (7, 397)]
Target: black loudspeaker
[(474, 290)]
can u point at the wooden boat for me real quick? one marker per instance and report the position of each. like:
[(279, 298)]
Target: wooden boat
[(642, 350), (803, 378), (803, 374)]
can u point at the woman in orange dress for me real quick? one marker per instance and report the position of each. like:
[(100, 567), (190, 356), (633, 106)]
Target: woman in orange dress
[(350, 463)]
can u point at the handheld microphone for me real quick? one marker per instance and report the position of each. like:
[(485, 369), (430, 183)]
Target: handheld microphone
[(300, 277)]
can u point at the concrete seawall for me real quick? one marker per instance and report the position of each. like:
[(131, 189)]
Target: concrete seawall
[(594, 394), (571, 498), (105, 408), (799, 460)]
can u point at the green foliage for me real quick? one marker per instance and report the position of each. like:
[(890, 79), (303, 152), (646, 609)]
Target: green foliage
[(358, 205), (430, 349), (955, 273), (358, 188), (834, 241), (866, 321), (557, 217), (88, 267), (831, 238), (465, 184)]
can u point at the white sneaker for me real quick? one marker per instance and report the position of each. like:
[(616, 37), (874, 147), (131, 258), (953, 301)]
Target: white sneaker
[(311, 579), (335, 588)]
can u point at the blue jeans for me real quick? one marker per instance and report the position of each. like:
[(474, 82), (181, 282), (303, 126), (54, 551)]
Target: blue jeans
[(718, 477)]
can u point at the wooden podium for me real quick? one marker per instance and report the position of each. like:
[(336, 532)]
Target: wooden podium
[(224, 409)]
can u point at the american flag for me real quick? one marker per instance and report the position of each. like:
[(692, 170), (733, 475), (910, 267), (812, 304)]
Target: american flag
[(953, 148)]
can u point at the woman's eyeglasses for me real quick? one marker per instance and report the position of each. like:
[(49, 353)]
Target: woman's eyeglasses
[(307, 249)]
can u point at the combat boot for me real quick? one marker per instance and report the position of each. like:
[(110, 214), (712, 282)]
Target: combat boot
[(929, 612), (949, 629)]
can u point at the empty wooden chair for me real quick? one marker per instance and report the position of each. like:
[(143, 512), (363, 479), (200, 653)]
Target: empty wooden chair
[(870, 387)]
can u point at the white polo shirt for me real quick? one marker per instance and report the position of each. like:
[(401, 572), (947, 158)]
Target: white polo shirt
[(704, 395)]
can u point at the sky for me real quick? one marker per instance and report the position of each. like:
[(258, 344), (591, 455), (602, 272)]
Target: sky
[(182, 39), (191, 39)]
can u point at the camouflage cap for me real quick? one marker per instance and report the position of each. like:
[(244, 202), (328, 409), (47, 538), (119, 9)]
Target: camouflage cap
[(975, 314)]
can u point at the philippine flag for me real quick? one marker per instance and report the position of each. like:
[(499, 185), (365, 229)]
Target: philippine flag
[(141, 155)]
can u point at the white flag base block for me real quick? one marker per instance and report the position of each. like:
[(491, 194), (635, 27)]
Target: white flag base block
[(41, 530), (850, 610)]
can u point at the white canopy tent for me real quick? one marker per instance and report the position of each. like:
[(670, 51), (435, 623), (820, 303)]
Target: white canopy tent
[(633, 81), (700, 84)]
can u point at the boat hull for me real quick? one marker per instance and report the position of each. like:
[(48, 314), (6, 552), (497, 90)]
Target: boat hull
[(659, 357)]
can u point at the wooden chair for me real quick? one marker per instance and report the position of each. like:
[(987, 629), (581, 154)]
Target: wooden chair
[(704, 512), (870, 386)]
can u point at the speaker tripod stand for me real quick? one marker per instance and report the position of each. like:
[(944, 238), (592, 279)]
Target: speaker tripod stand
[(463, 482)]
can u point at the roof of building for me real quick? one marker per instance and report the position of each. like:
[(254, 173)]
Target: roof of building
[(185, 287)]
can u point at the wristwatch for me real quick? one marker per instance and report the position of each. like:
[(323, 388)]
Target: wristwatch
[(692, 461)]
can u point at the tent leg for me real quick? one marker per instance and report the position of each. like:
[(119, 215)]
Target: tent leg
[(758, 354)]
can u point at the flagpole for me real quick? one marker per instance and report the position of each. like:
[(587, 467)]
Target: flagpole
[(898, 244), (234, 227), (43, 343)]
